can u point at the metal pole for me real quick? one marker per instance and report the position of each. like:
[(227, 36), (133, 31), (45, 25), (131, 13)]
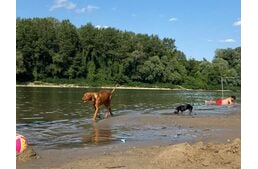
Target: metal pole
[(222, 94)]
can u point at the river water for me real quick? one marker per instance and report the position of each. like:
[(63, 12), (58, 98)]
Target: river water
[(54, 118)]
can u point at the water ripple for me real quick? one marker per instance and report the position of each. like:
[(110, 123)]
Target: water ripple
[(56, 118)]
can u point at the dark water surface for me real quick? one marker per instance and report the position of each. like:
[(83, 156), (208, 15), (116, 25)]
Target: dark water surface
[(56, 117)]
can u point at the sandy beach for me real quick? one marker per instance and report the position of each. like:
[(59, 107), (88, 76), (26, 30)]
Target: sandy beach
[(216, 144)]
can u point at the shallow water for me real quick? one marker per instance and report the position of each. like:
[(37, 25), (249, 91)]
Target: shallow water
[(53, 118)]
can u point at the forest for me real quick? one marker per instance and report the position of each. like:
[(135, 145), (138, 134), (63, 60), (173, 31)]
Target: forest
[(50, 50)]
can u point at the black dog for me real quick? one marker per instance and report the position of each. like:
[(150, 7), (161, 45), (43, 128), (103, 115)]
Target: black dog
[(183, 108)]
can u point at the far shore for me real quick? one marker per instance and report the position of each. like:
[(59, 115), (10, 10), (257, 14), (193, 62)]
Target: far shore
[(103, 87)]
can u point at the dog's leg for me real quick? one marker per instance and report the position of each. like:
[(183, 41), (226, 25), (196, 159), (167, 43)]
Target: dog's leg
[(96, 106), (108, 113), (190, 111), (98, 115), (109, 107)]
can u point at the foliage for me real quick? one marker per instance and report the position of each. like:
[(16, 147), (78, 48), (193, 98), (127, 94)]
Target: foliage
[(50, 50)]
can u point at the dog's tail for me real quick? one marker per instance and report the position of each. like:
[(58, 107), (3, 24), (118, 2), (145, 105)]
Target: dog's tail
[(114, 88)]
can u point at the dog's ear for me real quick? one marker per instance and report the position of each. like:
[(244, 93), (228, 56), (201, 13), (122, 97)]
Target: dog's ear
[(93, 97)]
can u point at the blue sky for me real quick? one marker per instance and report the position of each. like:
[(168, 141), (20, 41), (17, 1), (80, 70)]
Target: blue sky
[(198, 26)]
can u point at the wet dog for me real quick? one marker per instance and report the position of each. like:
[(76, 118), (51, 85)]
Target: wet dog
[(99, 98), (183, 108)]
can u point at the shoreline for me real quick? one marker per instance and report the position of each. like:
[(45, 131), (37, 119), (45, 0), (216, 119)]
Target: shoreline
[(49, 85), (103, 87), (218, 145)]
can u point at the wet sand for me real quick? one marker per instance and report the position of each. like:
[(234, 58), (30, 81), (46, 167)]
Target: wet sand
[(211, 141)]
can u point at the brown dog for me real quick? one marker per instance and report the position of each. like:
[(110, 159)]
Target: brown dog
[(99, 98)]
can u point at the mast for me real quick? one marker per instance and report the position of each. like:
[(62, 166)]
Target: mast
[(222, 93)]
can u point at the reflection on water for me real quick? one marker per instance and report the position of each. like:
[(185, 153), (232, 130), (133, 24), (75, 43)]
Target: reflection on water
[(98, 135), (57, 118)]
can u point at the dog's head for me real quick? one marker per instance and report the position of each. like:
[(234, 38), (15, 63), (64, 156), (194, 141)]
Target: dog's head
[(87, 97)]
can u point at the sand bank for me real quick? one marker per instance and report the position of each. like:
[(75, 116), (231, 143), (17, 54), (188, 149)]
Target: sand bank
[(217, 145)]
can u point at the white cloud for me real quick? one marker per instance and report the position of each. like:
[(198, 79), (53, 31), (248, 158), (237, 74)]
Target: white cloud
[(229, 40), (172, 19), (237, 23), (91, 8), (88, 8), (63, 4), (100, 27), (66, 4)]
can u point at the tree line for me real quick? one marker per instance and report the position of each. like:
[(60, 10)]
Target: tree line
[(47, 48)]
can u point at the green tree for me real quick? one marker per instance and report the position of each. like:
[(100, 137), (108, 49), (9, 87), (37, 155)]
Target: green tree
[(91, 75), (68, 44), (20, 66), (48, 48)]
